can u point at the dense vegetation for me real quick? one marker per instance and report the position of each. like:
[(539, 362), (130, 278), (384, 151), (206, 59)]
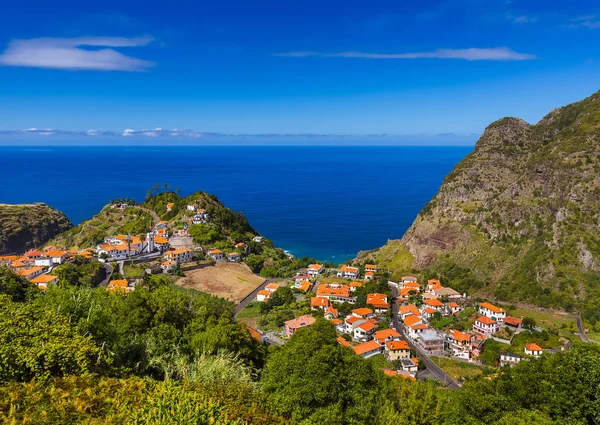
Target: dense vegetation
[(517, 218), (162, 355), (28, 226)]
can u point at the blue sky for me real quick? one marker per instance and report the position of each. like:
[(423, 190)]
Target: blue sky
[(417, 71)]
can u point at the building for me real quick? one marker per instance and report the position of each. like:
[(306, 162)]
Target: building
[(119, 286), (57, 256), (410, 365), (435, 304), (485, 325), (34, 253), (363, 313), (533, 350), (44, 280), (234, 257), (342, 341), (170, 206), (453, 307), (319, 303), (460, 344), (348, 272), (406, 279), (379, 302), (446, 292), (331, 313), (30, 272), (432, 285), (513, 322), (413, 320), (272, 287), (386, 335), (216, 254), (509, 359), (493, 312), (257, 239), (263, 295), (43, 262), (364, 331), (371, 268), (303, 285), (431, 341), (369, 275), (415, 330), (335, 292), (407, 310), (113, 252), (179, 255), (396, 350), (368, 349), (315, 270), (293, 325)]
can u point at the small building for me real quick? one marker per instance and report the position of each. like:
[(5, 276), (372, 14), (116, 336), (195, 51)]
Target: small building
[(410, 365), (368, 349), (513, 322), (216, 254), (379, 302), (44, 280), (406, 279), (170, 206), (453, 307), (121, 285), (263, 295), (179, 255), (272, 287), (386, 335), (257, 239), (492, 311), (415, 330), (335, 292), (509, 359), (348, 272), (331, 313), (234, 257), (57, 256), (31, 272), (485, 325), (371, 268), (363, 313), (319, 303), (364, 331), (412, 320), (293, 325), (342, 341), (369, 275), (432, 285), (43, 262), (191, 207), (408, 310), (460, 344), (303, 285), (315, 270), (436, 304), (431, 341), (396, 350), (533, 350)]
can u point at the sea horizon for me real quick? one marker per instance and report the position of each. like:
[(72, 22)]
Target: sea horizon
[(326, 202)]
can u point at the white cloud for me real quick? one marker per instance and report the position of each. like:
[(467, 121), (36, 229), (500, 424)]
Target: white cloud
[(523, 19), (588, 21), (471, 54), (70, 53)]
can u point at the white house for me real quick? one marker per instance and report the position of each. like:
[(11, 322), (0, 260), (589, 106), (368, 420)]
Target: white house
[(199, 218), (258, 239), (509, 359), (348, 272), (216, 254), (368, 349), (179, 255), (43, 262), (410, 365), (234, 257), (315, 270), (493, 312), (485, 325), (533, 350), (191, 207), (364, 331), (263, 295)]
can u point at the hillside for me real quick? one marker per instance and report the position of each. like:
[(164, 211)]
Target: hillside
[(519, 217), (27, 226)]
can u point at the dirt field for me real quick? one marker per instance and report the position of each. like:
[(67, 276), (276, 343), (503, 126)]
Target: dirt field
[(232, 281)]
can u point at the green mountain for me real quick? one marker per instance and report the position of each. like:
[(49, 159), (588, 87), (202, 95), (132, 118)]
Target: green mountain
[(27, 226), (519, 217)]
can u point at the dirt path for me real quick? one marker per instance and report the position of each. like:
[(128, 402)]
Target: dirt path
[(155, 216)]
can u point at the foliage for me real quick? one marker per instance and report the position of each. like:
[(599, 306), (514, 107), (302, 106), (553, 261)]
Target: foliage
[(38, 342)]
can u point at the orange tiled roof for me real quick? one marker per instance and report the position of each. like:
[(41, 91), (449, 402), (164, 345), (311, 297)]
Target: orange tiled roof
[(460, 336), (342, 341), (122, 283), (362, 311), (55, 253), (29, 270), (491, 307), (410, 308), (430, 310), (264, 292), (411, 320), (434, 303), (485, 320), (533, 347), (301, 321), (377, 300), (272, 286), (325, 290), (367, 326), (337, 321), (366, 347), (45, 278), (315, 266), (386, 333), (319, 302), (397, 345)]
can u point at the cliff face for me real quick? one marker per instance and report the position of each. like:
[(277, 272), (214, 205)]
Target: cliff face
[(27, 226), (522, 211)]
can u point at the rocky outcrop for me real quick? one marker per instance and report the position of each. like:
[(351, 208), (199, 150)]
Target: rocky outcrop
[(28, 226), (522, 211)]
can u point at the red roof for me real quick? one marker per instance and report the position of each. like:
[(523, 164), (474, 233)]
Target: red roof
[(366, 347), (533, 347), (512, 321), (485, 320)]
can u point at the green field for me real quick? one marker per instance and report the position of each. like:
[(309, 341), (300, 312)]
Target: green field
[(457, 369), (562, 322)]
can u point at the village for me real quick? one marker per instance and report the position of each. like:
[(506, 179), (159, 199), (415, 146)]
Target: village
[(410, 326), (413, 327)]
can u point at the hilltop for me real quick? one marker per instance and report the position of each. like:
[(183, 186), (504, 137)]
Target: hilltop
[(518, 218), (26, 226)]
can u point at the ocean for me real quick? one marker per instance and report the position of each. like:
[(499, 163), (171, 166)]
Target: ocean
[(324, 202)]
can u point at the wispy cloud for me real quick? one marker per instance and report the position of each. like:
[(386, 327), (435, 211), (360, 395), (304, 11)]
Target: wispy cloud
[(522, 19), (75, 53), (471, 54), (588, 21)]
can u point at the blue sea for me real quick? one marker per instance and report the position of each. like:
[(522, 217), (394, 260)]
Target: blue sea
[(324, 202)]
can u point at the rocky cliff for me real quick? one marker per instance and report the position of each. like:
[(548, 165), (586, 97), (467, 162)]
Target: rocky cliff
[(27, 226), (519, 217)]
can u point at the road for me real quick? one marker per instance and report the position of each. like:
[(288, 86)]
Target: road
[(433, 369), (582, 333), (252, 295), (155, 216), (108, 270)]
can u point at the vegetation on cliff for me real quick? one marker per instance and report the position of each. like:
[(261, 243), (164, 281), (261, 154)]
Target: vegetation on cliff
[(27, 226), (518, 218)]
